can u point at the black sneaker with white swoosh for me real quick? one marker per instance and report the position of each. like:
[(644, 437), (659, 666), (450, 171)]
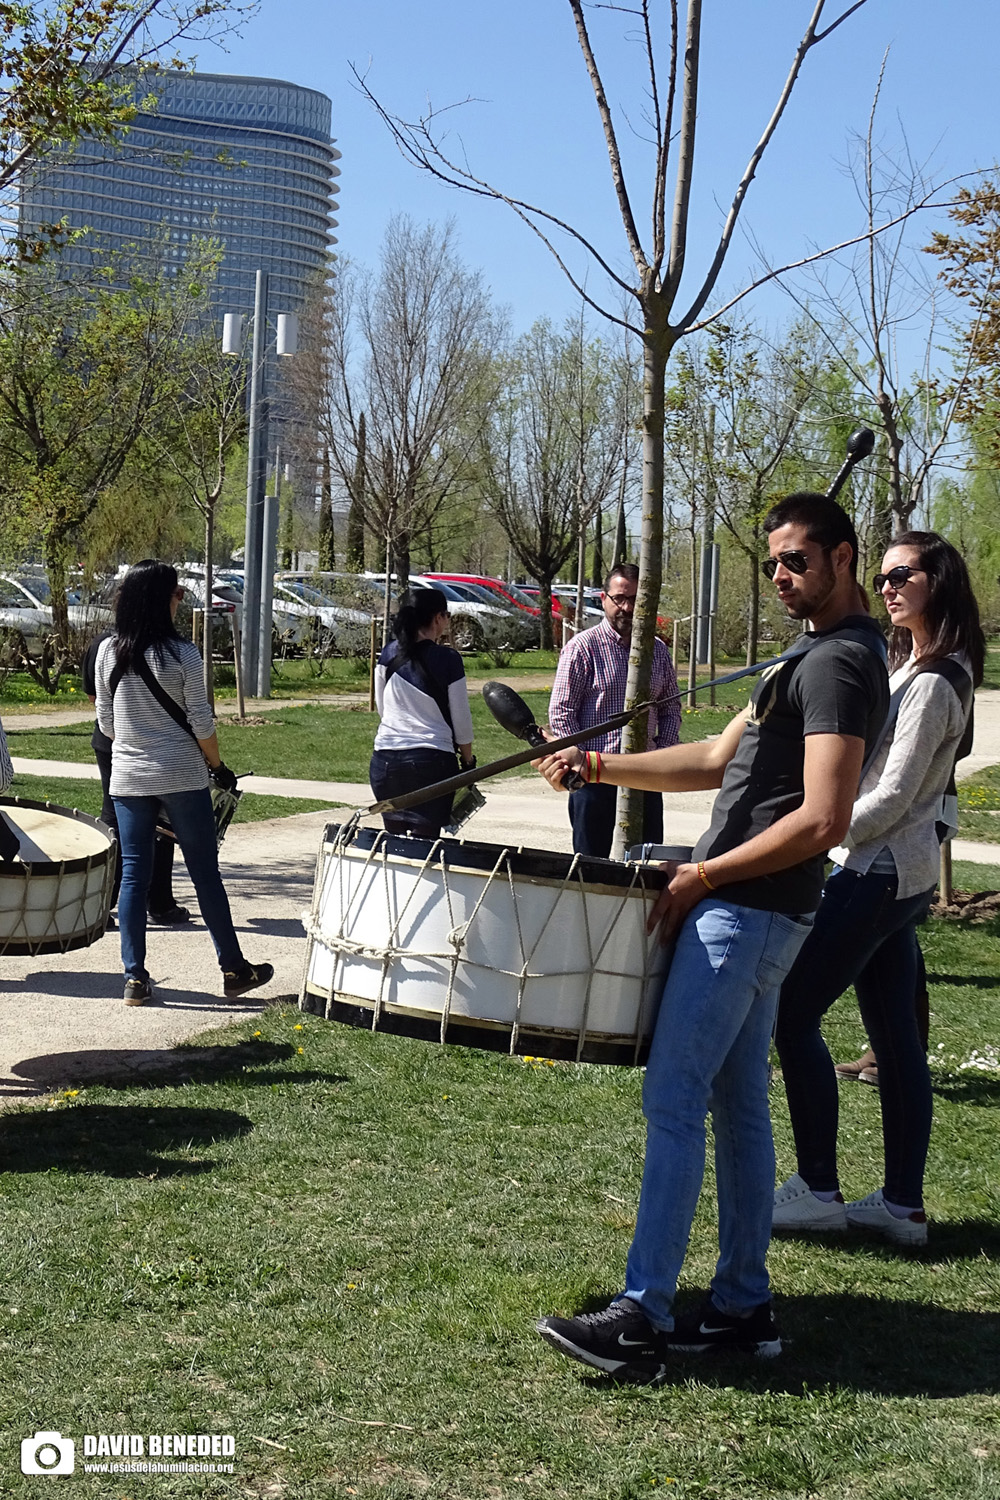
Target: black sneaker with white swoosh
[(710, 1329), (619, 1340)]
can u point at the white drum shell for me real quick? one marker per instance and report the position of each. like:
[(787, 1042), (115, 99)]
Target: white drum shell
[(537, 957), (57, 896)]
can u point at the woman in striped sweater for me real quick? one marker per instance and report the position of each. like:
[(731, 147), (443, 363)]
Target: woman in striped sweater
[(159, 756)]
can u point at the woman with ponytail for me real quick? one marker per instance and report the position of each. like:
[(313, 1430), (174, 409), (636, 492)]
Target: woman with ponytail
[(423, 705), (151, 704)]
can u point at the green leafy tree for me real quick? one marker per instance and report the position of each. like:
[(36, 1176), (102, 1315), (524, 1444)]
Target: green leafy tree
[(85, 369)]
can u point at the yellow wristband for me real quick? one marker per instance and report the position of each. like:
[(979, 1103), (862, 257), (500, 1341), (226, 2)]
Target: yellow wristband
[(703, 877)]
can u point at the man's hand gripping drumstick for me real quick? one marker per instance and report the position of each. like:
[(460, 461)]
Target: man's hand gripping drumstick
[(832, 765)]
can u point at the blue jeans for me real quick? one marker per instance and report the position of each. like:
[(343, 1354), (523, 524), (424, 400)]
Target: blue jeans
[(865, 937), (191, 819), (592, 818), (710, 1052), (392, 773)]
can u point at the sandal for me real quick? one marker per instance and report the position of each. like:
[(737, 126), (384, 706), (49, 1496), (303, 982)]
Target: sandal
[(852, 1071)]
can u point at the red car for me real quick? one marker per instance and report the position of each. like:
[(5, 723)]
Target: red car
[(508, 594)]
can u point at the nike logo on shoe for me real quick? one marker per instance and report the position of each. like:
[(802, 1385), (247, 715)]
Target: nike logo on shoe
[(631, 1343)]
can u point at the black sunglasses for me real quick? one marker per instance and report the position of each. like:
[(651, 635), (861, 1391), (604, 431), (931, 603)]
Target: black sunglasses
[(795, 562), (897, 576)]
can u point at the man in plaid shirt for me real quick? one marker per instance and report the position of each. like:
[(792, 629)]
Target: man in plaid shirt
[(590, 687)]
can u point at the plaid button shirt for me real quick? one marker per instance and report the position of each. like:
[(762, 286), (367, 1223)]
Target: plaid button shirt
[(590, 687)]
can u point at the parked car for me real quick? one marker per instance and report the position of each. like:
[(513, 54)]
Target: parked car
[(474, 624), (26, 605), (305, 602)]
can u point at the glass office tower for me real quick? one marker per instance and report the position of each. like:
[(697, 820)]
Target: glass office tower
[(247, 161)]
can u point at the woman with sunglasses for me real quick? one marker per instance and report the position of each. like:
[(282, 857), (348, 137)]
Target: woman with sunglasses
[(881, 886), (151, 704)]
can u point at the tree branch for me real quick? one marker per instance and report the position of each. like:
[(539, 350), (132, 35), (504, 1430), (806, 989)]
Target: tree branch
[(808, 41)]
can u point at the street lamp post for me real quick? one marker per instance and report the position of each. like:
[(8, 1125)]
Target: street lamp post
[(260, 538)]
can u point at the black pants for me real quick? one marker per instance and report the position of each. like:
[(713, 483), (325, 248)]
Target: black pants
[(160, 897), (592, 816), (393, 772)]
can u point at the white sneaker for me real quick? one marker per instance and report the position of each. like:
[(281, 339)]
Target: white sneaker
[(871, 1213), (797, 1207)]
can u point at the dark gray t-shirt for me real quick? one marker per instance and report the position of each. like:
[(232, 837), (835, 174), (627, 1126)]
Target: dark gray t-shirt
[(838, 686)]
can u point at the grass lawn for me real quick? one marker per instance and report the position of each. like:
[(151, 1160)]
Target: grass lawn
[(334, 1245), (85, 796), (979, 806), (319, 741)]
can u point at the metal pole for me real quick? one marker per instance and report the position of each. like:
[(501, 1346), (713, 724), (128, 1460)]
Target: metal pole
[(268, 564), (713, 606), (256, 458), (707, 540)]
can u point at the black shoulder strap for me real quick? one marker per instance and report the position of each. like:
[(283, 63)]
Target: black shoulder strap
[(169, 705)]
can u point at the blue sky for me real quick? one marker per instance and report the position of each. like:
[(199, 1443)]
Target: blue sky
[(535, 132)]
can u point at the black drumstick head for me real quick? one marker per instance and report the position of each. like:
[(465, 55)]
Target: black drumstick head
[(508, 708), (860, 443)]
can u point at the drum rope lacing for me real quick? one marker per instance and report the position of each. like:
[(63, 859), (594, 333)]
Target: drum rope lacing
[(386, 953), (70, 893)]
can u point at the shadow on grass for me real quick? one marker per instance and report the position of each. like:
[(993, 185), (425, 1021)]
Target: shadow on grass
[(867, 1344), (131, 1068), (967, 981), (115, 1140), (973, 1088)]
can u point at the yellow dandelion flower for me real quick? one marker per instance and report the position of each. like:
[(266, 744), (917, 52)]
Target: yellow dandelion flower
[(301, 1051)]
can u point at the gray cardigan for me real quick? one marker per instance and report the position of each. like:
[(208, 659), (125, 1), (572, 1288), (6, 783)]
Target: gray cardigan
[(899, 802)]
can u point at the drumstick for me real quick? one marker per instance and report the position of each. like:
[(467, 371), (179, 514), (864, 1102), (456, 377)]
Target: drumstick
[(859, 444), (513, 714), (521, 758)]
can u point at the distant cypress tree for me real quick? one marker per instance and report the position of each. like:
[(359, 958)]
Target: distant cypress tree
[(326, 548), (356, 514)]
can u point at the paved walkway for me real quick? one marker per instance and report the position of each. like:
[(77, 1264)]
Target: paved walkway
[(62, 1020)]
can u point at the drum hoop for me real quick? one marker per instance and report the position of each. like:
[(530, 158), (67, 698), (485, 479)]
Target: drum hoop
[(72, 866), (26, 871), (471, 855), (381, 853)]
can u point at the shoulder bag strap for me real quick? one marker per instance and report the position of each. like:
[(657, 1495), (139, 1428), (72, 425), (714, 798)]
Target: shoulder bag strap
[(169, 705)]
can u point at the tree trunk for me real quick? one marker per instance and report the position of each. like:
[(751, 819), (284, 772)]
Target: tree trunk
[(597, 571), (656, 346), (56, 552), (753, 618), (206, 643), (545, 605)]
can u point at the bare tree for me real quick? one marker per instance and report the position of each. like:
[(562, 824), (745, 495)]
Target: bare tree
[(410, 380), (197, 430), (664, 315)]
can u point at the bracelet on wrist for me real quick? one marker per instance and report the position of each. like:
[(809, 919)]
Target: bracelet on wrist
[(703, 877)]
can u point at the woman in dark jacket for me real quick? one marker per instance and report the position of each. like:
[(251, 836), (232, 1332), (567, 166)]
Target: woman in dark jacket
[(423, 705)]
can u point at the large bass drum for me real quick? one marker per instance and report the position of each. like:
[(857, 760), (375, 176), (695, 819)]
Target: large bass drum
[(519, 950), (57, 894)]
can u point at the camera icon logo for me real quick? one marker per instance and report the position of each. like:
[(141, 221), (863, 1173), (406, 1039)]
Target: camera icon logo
[(48, 1453)]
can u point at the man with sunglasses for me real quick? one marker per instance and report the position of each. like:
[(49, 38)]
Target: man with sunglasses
[(589, 688), (787, 770)]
